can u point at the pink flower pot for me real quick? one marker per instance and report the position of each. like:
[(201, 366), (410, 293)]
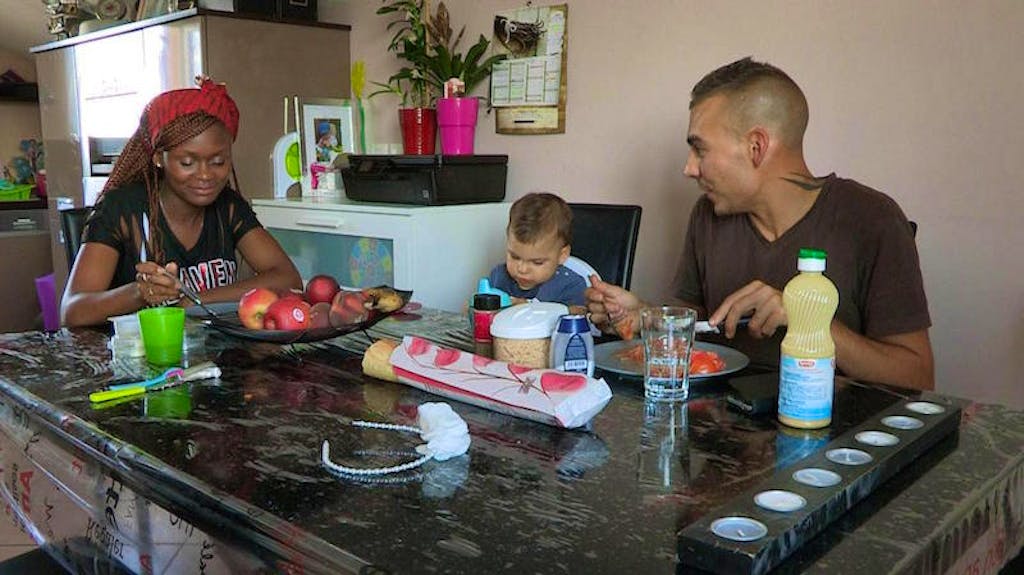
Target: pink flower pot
[(456, 117)]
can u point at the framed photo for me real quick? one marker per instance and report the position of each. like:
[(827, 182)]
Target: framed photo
[(326, 129), (153, 8), (148, 9)]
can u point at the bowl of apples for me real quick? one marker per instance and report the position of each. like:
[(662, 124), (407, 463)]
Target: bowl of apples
[(323, 310)]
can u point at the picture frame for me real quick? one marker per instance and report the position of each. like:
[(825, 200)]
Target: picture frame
[(153, 8), (146, 9), (326, 129)]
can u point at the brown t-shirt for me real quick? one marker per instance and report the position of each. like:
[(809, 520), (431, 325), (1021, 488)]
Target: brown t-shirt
[(872, 260)]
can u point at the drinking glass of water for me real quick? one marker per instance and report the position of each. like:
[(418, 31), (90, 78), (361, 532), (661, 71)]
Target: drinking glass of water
[(667, 333)]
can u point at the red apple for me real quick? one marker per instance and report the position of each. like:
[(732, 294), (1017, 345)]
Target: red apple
[(321, 288), (320, 315), (287, 314), (253, 305), (293, 295), (348, 307)]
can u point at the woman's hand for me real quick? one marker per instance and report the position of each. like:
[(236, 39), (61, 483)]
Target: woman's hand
[(157, 285)]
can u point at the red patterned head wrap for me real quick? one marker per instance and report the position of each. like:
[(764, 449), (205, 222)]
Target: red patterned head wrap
[(169, 120), (210, 98)]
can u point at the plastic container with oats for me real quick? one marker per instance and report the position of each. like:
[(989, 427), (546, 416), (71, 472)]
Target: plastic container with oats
[(522, 333)]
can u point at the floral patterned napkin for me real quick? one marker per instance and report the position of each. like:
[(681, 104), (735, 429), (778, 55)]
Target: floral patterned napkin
[(544, 395)]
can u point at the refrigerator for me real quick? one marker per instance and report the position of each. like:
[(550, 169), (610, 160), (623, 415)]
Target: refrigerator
[(93, 87)]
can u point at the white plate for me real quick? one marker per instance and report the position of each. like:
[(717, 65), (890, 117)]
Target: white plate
[(606, 357)]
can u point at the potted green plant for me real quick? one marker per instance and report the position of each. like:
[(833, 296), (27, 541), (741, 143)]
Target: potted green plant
[(425, 42), (409, 42), (444, 62), (455, 76)]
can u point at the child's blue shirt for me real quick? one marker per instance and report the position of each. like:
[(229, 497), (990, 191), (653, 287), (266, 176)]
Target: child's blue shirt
[(566, 286)]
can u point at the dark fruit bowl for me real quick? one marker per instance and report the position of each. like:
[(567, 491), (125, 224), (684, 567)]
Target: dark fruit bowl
[(226, 321)]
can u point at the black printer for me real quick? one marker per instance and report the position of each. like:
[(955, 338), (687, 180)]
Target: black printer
[(426, 180)]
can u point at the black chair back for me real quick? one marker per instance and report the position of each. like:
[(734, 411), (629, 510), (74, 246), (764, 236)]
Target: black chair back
[(604, 236), (72, 224)]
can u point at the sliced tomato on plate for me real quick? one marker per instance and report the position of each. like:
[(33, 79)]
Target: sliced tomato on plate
[(705, 362)]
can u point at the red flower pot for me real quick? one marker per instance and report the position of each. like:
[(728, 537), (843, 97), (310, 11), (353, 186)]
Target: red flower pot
[(419, 129)]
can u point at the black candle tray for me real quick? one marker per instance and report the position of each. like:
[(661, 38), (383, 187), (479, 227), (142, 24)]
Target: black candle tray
[(755, 531)]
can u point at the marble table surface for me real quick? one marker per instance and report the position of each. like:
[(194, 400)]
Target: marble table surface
[(238, 458)]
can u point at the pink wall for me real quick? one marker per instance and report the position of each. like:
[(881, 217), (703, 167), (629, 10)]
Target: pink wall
[(917, 98)]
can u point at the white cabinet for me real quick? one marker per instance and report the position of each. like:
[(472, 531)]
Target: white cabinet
[(439, 252)]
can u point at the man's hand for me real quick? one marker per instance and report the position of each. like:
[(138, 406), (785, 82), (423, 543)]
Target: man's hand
[(760, 301), (611, 306), (904, 359)]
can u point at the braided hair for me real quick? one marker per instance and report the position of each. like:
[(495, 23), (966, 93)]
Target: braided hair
[(135, 164), (168, 121)]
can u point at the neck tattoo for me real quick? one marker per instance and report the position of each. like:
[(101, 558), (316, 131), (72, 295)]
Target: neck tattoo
[(809, 183)]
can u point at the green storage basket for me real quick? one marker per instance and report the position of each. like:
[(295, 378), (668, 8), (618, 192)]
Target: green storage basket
[(18, 193)]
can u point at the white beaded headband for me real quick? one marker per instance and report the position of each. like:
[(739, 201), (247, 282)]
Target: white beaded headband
[(444, 431)]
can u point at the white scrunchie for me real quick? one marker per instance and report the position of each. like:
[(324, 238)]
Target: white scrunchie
[(446, 436), (446, 433)]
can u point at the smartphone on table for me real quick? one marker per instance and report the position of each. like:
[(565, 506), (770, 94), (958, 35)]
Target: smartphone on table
[(755, 394)]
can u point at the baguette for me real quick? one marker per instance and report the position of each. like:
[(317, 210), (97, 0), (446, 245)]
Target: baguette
[(377, 360)]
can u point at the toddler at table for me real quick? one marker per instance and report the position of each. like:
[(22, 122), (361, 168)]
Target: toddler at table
[(537, 244)]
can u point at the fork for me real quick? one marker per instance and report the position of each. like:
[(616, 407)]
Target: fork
[(192, 295)]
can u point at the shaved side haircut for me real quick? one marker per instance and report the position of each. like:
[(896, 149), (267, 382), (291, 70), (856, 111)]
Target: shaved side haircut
[(758, 94)]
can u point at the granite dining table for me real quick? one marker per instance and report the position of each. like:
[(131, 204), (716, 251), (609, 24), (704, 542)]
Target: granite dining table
[(224, 475)]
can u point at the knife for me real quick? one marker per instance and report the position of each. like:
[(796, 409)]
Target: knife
[(704, 327)]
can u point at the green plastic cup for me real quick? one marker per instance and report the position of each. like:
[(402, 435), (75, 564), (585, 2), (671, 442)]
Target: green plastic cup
[(163, 334), (173, 403)]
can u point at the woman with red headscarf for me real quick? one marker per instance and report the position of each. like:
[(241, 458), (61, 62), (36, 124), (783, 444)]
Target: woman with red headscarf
[(168, 217)]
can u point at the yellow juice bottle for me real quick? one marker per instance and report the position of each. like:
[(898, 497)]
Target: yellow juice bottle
[(808, 363)]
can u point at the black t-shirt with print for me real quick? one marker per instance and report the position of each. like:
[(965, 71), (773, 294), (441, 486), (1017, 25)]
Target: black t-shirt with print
[(118, 220)]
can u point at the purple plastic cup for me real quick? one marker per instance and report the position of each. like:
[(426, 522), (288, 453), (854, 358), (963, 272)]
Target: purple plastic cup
[(46, 291)]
